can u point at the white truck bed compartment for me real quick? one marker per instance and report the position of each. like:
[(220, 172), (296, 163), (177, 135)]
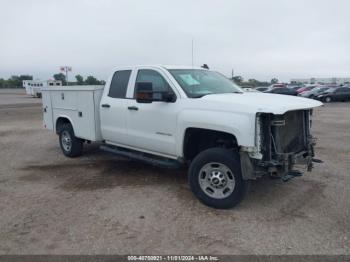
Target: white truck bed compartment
[(79, 104)]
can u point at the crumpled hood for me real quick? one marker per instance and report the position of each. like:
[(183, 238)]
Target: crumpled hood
[(262, 102)]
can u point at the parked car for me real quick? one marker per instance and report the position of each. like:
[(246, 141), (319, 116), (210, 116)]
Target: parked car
[(261, 88), (282, 91), (277, 85), (335, 94), (294, 87), (306, 88), (192, 117), (314, 92)]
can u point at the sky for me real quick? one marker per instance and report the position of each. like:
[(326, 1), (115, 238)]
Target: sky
[(259, 39)]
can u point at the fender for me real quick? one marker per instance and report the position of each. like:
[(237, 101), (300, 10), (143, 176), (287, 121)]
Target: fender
[(66, 117), (238, 124)]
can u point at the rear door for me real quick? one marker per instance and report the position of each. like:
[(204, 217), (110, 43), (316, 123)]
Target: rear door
[(347, 93), (113, 108)]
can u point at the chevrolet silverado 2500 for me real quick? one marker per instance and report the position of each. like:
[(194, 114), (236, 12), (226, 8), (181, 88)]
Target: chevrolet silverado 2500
[(172, 116)]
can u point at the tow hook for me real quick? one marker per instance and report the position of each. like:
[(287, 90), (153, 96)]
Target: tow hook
[(291, 174)]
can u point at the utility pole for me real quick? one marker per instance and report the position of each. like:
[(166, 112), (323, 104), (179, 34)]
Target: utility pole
[(66, 69), (232, 74)]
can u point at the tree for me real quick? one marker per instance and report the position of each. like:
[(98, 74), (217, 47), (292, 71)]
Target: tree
[(90, 80), (274, 81), (25, 77), (80, 80), (60, 77)]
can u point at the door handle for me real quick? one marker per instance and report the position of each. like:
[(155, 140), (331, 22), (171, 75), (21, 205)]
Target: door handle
[(133, 108), (105, 105)]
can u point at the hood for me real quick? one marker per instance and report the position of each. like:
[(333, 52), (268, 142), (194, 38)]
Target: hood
[(262, 102)]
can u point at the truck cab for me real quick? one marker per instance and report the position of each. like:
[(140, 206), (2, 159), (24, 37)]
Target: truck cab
[(185, 116)]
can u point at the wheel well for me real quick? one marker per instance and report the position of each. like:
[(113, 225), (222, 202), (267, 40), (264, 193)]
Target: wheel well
[(197, 139), (60, 122)]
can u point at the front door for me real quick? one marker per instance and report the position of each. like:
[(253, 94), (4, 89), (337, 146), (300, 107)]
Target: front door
[(152, 127)]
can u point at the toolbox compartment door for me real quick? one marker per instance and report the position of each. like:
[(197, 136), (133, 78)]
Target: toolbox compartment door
[(47, 110)]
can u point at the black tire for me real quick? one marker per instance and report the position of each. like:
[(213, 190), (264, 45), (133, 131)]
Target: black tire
[(76, 144), (226, 157), (327, 99)]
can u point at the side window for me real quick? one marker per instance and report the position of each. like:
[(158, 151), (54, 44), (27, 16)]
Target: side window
[(158, 82), (119, 84)]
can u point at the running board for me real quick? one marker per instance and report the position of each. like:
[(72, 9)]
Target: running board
[(143, 157)]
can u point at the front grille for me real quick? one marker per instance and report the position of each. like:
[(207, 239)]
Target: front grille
[(282, 134), (290, 137)]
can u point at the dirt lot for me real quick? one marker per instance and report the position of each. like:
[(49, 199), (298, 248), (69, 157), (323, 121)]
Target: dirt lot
[(101, 204)]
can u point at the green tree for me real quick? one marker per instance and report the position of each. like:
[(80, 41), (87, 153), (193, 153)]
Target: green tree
[(60, 77), (80, 80), (90, 80)]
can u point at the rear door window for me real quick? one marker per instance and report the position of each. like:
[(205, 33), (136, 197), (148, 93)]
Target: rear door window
[(119, 84)]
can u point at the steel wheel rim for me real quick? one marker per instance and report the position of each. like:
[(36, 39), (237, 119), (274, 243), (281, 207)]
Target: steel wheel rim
[(66, 141), (216, 180)]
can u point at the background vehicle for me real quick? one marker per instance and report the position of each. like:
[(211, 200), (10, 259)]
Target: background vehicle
[(296, 87), (262, 88), (33, 87), (335, 94), (277, 85), (174, 116), (313, 92), (306, 88), (282, 91)]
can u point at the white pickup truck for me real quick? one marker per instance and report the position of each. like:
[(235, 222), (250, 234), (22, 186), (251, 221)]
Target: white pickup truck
[(173, 116)]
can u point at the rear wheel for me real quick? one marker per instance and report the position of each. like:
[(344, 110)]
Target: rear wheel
[(71, 146), (215, 178), (328, 99)]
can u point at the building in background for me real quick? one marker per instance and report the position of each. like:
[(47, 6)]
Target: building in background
[(317, 80), (33, 87)]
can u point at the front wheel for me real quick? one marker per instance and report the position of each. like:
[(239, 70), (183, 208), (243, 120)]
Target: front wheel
[(328, 99), (71, 146), (215, 178)]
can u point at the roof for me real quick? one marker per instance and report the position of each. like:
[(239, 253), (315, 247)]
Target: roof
[(160, 67)]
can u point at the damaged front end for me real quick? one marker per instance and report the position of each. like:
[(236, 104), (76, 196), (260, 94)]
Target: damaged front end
[(282, 141)]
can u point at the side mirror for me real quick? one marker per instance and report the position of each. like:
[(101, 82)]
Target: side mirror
[(144, 92)]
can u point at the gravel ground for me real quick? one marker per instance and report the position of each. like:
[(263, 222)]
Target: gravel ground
[(102, 204)]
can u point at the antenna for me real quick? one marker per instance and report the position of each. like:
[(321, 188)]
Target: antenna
[(192, 52)]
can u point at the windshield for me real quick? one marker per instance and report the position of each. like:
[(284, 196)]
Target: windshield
[(320, 89), (197, 83), (329, 90)]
